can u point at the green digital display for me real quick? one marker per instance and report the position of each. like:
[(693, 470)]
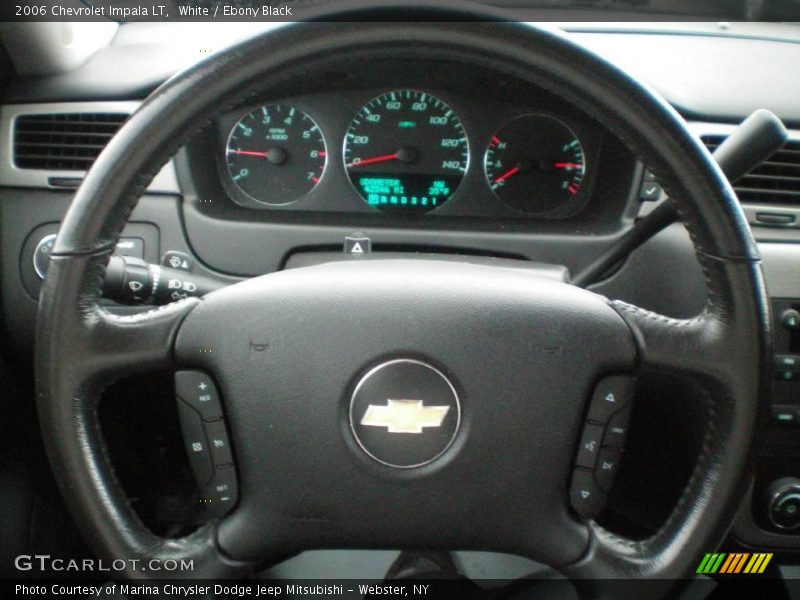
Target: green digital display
[(439, 188), (381, 185), (406, 152), (409, 193)]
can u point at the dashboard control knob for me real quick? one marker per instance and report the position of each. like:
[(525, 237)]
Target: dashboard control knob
[(41, 255), (790, 319), (783, 503)]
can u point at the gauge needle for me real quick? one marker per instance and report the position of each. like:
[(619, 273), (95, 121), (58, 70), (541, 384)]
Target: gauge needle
[(277, 156), (507, 174), (375, 159), (568, 165), (249, 153)]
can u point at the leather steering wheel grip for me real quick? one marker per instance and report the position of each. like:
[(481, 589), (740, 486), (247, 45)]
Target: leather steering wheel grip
[(80, 347)]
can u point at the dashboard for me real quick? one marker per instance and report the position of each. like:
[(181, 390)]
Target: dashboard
[(433, 146), (417, 158), (410, 152)]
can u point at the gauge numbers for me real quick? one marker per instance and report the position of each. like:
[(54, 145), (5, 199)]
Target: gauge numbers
[(406, 152), (535, 164), (276, 154)]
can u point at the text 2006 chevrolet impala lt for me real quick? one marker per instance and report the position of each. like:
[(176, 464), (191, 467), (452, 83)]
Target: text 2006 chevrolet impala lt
[(366, 299)]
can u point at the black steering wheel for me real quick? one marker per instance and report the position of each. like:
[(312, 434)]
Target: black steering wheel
[(503, 481)]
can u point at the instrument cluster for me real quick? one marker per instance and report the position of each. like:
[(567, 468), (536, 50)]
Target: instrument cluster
[(409, 152)]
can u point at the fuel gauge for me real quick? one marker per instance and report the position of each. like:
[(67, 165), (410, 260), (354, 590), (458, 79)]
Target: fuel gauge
[(535, 164)]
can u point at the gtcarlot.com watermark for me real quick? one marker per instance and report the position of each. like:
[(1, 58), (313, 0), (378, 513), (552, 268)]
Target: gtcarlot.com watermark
[(45, 562)]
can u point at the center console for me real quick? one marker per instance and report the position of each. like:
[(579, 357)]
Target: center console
[(770, 518)]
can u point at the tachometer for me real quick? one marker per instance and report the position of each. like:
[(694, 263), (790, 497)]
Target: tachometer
[(535, 163), (406, 151), (276, 154)]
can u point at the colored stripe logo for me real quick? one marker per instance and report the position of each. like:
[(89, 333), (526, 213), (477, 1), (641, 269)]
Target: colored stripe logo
[(734, 563)]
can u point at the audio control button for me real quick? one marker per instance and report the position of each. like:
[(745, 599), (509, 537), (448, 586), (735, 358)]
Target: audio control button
[(196, 443), (198, 390), (610, 395), (586, 496)]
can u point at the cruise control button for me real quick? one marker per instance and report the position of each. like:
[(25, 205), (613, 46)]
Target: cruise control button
[(194, 439), (617, 428), (610, 395), (221, 494), (585, 495), (607, 466), (590, 445), (198, 390), (218, 441)]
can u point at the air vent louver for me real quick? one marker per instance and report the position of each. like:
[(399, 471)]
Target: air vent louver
[(775, 181), (63, 142)]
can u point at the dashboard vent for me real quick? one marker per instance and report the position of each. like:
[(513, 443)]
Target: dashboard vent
[(63, 142), (775, 181)]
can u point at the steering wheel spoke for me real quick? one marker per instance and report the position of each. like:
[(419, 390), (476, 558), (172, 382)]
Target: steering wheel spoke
[(705, 348), (702, 352), (691, 348), (121, 345), (102, 348)]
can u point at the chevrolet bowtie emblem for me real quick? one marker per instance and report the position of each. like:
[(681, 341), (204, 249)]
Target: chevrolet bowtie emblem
[(404, 416)]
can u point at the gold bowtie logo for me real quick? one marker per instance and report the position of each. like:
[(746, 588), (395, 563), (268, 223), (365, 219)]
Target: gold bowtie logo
[(404, 416)]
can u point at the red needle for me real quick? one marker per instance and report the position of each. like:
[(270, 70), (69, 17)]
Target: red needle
[(249, 153), (507, 174), (568, 165), (375, 159)]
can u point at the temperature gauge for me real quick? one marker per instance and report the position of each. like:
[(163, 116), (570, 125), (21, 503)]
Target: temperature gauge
[(535, 164)]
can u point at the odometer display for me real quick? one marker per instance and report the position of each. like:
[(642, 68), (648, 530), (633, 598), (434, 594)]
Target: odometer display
[(406, 151)]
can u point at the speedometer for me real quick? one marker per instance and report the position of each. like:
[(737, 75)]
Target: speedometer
[(406, 151)]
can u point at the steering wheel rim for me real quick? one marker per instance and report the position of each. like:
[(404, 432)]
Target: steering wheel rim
[(80, 347)]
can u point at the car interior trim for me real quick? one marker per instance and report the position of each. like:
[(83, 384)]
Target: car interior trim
[(165, 182)]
